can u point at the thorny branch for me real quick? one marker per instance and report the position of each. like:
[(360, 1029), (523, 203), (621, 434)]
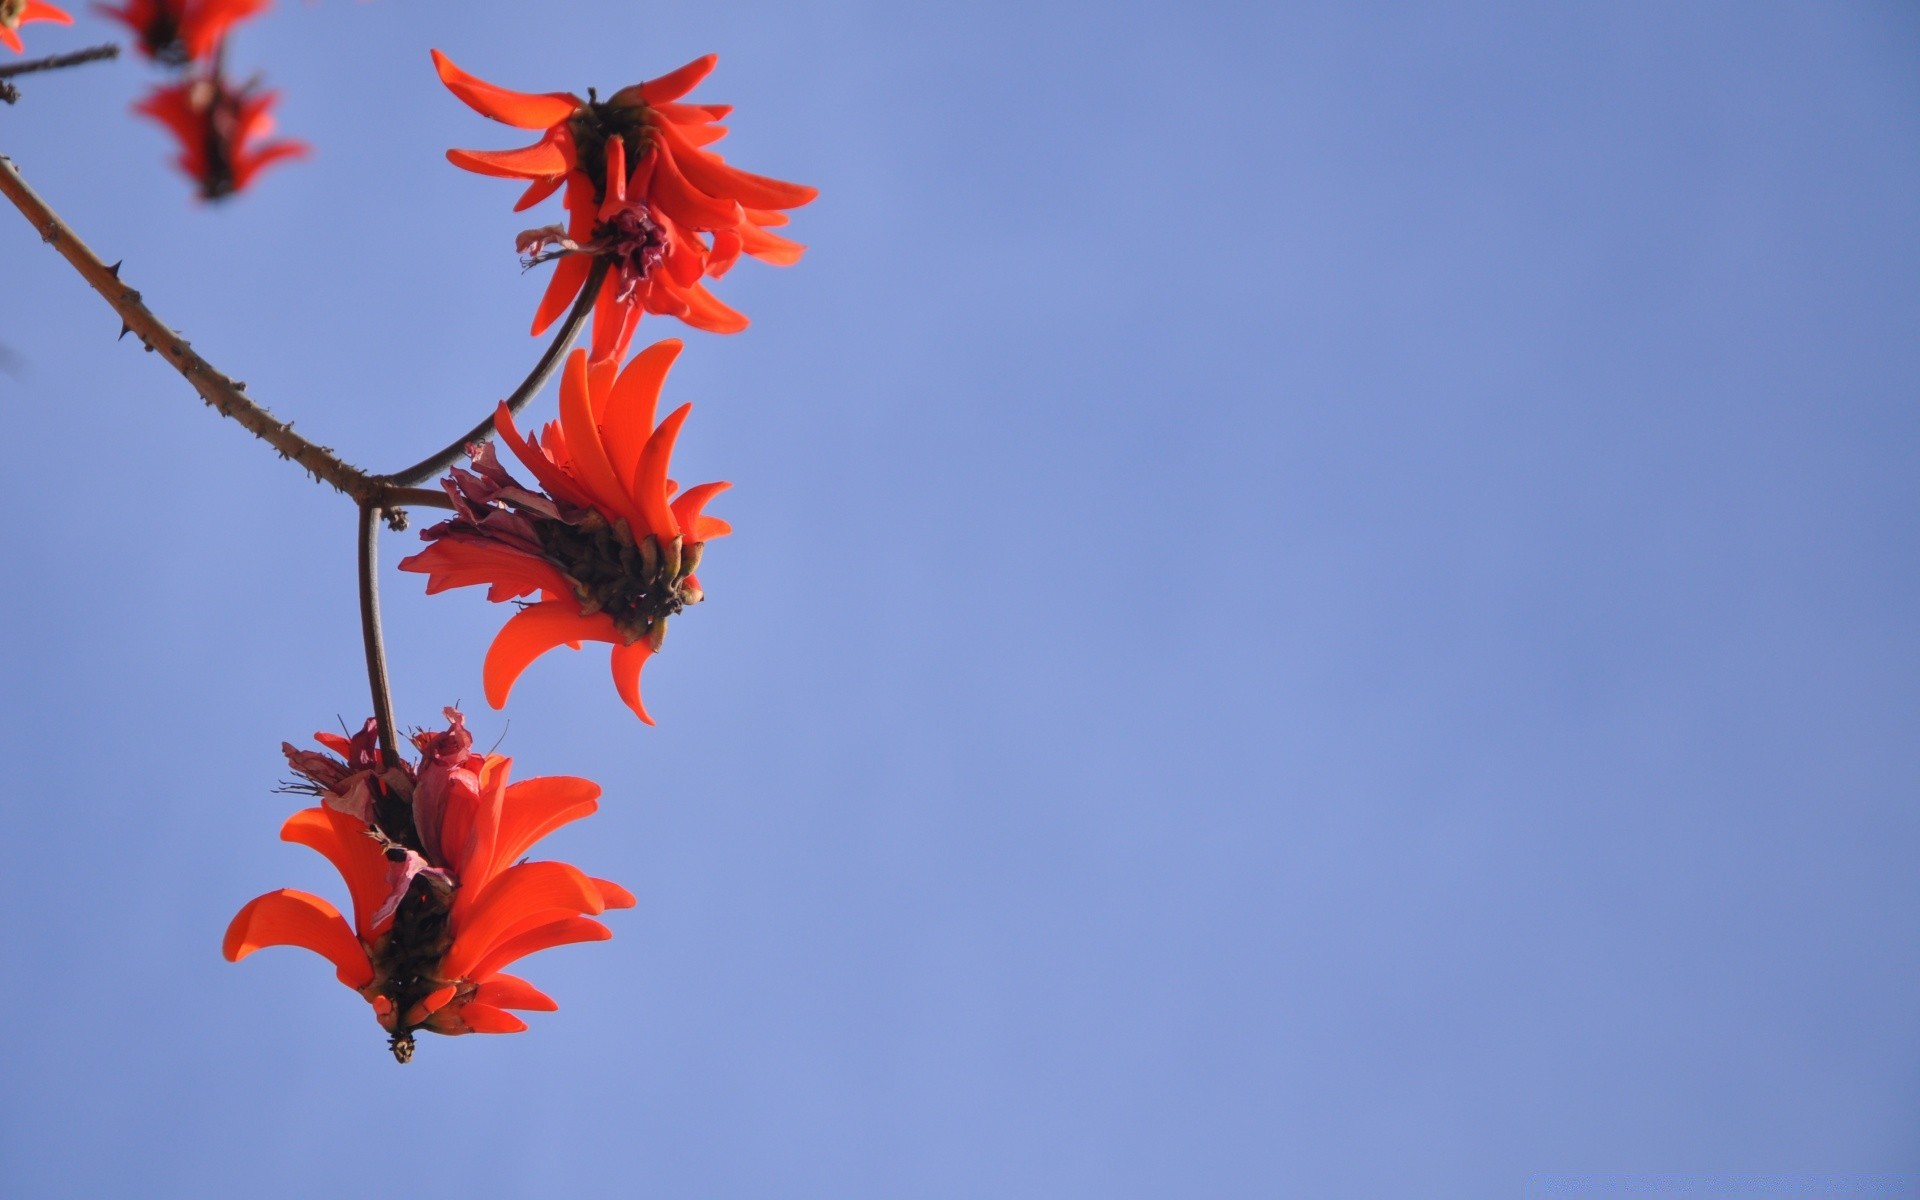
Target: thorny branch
[(54, 62), (378, 497)]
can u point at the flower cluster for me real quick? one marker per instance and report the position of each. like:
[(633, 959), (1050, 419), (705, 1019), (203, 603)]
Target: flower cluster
[(178, 32), (598, 545), (608, 545), (222, 126), (222, 131), (441, 905), (642, 194), (15, 13)]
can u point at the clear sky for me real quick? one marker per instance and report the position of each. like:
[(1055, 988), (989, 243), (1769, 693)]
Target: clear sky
[(1326, 603)]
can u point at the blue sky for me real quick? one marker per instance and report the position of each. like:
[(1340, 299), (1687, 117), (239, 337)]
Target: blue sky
[(1324, 604)]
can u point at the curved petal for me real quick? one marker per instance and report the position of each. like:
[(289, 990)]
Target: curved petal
[(629, 417), (769, 247), (540, 190), (294, 918), (522, 110), (480, 915), (542, 160), (627, 660), (345, 844), (563, 932), (678, 82), (534, 808), (613, 895), (712, 175), (689, 205), (706, 312), (650, 476), (485, 1018), (532, 632), (569, 276), (510, 991), (589, 463), (37, 10), (687, 508)]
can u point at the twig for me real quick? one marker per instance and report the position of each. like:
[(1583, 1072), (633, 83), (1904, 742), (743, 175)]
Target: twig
[(215, 388), (370, 629), (55, 62), (543, 370)]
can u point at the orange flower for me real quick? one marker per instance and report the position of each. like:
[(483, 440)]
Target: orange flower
[(441, 904), (177, 32), (642, 193), (218, 126), (607, 545), (15, 13)]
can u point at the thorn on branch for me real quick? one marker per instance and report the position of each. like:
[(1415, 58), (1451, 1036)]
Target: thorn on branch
[(114, 270)]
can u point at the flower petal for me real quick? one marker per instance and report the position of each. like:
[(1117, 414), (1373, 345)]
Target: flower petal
[(563, 932), (686, 509), (677, 83), (510, 991), (650, 476), (629, 417), (542, 161), (626, 662), (522, 110), (532, 632), (590, 464), (345, 844), (534, 808), (293, 918), (485, 1018)]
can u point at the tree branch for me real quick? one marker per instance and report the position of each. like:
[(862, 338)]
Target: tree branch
[(543, 370), (226, 396), (10, 93), (55, 62)]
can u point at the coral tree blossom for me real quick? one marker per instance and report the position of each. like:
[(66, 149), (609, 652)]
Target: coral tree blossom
[(642, 193), (15, 13), (219, 127), (441, 904), (178, 32), (608, 545)]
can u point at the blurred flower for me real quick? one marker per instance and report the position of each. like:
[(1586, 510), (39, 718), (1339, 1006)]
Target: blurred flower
[(15, 13), (608, 547), (219, 127), (440, 905), (641, 193), (177, 32)]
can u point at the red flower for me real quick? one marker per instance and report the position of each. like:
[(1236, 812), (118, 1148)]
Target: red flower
[(219, 127), (177, 32), (609, 549), (641, 193), (15, 13), (441, 904)]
